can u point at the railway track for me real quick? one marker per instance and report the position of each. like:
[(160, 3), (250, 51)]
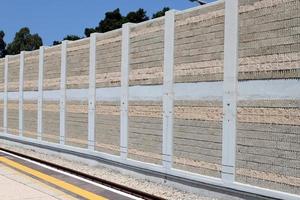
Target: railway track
[(115, 186)]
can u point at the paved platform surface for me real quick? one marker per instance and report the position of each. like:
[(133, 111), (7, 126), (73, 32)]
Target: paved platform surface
[(23, 180), (16, 186)]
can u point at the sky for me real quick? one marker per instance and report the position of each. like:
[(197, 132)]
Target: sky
[(54, 19)]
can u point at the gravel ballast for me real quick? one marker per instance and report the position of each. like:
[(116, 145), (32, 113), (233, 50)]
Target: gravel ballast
[(151, 185)]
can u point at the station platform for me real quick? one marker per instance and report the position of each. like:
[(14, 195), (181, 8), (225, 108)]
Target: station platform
[(15, 185), (25, 180)]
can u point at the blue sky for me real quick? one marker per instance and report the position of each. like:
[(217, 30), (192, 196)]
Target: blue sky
[(54, 19)]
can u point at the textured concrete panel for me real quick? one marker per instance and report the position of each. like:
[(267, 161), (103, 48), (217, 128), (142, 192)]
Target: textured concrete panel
[(199, 45), (145, 131), (198, 136), (269, 39), (78, 64), (108, 60), (30, 119), (107, 133), (2, 64), (77, 123), (51, 121), (268, 136), (268, 144), (52, 62), (31, 71), (13, 73), (146, 53), (13, 117), (1, 115)]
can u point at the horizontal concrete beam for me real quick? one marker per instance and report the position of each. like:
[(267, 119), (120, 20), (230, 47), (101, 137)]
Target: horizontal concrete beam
[(248, 90)]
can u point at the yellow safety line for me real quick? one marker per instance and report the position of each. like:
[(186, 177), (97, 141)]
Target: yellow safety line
[(67, 186), (35, 182)]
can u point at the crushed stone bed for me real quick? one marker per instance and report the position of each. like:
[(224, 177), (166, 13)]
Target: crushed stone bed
[(101, 171)]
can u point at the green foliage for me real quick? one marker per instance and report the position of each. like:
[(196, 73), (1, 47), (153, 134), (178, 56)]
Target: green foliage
[(72, 37), (24, 41), (137, 16), (56, 42), (89, 31), (114, 20), (68, 37), (200, 2), (160, 13), (2, 45)]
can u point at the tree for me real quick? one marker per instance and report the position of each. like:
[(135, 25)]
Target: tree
[(114, 20), (72, 37), (2, 45), (198, 1), (89, 31), (55, 42), (137, 16), (68, 37), (24, 41), (160, 13)]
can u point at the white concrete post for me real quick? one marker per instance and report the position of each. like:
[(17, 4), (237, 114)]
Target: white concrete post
[(92, 92), (168, 93), (125, 64), (21, 94), (5, 94), (230, 89), (40, 94), (63, 91)]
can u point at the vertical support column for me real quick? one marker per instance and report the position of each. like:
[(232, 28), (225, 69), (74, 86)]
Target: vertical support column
[(125, 62), (230, 89), (5, 95), (92, 92), (21, 95), (40, 94), (168, 93), (63, 91)]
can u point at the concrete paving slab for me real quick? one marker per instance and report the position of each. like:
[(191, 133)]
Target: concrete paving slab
[(18, 186)]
